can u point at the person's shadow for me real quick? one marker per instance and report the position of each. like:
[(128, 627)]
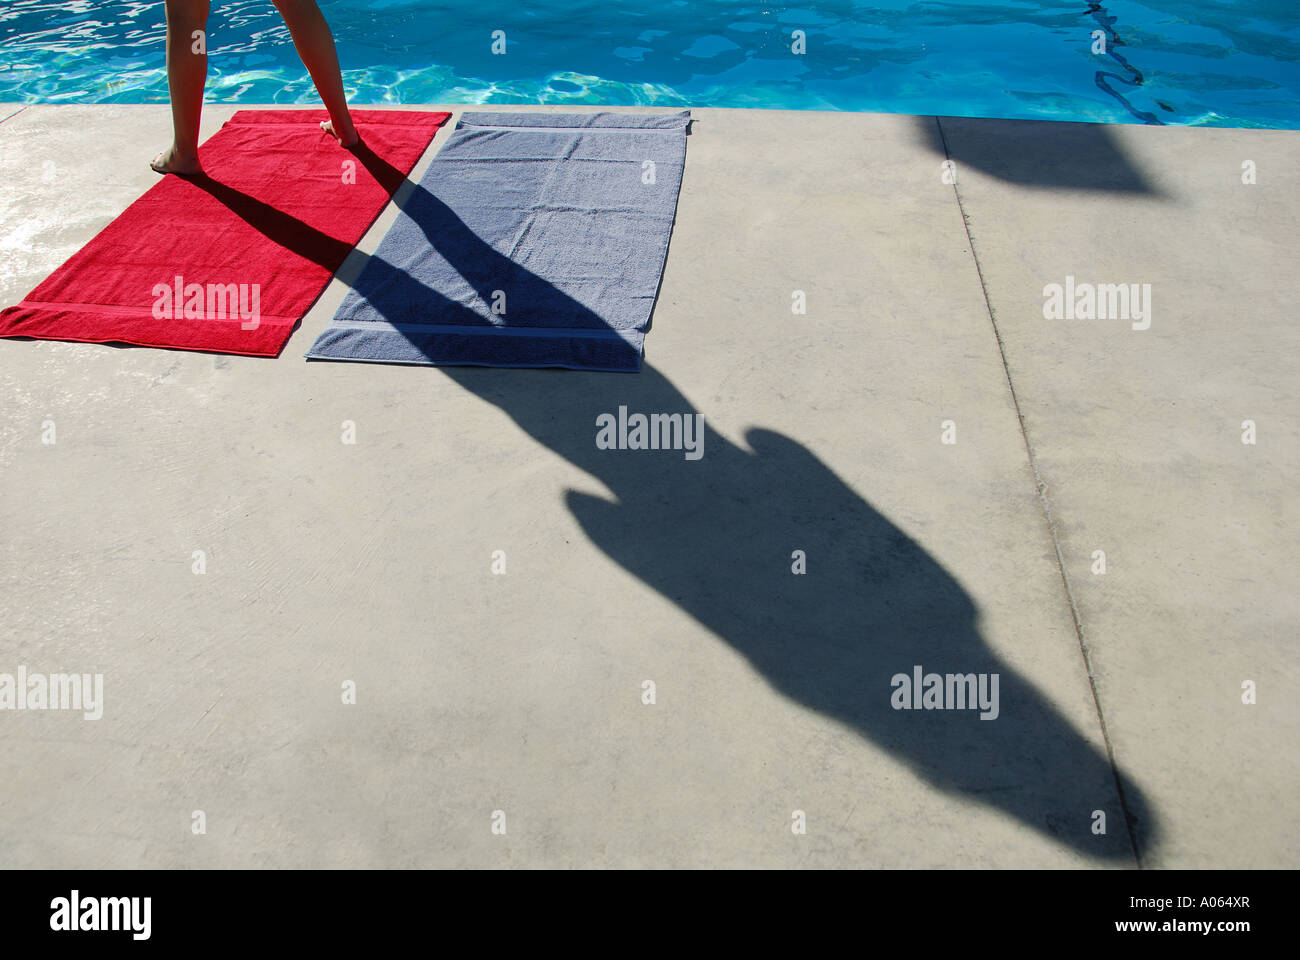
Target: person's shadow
[(717, 536)]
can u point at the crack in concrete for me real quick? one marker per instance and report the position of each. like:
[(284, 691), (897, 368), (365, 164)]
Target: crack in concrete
[(1046, 505), (15, 113)]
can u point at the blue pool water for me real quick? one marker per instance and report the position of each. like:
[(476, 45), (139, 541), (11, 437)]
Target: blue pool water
[(1210, 62)]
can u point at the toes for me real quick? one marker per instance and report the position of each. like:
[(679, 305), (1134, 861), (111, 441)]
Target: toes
[(328, 127), (158, 165)]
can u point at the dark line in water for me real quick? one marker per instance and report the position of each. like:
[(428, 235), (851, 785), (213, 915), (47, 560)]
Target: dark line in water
[(1105, 21)]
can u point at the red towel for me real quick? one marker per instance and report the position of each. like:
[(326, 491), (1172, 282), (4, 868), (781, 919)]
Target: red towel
[(248, 246)]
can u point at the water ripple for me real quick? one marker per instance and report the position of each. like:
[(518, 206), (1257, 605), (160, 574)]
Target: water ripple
[(1168, 61)]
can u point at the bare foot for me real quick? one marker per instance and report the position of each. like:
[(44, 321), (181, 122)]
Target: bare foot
[(172, 160), (350, 137)]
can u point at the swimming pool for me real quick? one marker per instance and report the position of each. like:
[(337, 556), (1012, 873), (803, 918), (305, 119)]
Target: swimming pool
[(1210, 62)]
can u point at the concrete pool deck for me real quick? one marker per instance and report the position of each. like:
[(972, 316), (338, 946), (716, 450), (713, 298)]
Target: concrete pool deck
[(327, 563)]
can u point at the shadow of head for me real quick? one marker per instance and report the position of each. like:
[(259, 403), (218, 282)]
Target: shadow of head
[(717, 534), (1036, 153)]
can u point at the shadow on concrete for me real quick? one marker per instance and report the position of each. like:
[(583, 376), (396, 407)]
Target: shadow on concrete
[(716, 536), (1036, 153)]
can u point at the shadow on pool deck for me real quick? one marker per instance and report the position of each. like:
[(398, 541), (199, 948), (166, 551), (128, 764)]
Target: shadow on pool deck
[(1036, 153), (715, 536)]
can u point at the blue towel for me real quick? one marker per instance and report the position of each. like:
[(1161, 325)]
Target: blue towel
[(533, 240)]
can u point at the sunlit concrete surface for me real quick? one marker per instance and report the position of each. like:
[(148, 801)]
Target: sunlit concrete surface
[(371, 563)]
